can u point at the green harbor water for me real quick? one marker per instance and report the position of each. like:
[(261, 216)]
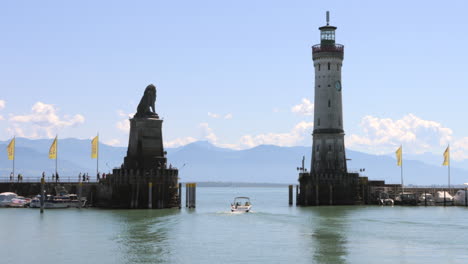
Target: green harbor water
[(272, 233)]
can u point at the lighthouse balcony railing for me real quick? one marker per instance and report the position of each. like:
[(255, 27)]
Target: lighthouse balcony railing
[(327, 48)]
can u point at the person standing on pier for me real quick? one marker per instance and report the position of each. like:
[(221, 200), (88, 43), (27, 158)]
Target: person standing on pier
[(53, 177), (56, 177), (79, 177), (11, 177)]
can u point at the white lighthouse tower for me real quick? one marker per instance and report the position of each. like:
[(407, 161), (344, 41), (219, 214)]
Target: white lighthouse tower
[(328, 181), (328, 153)]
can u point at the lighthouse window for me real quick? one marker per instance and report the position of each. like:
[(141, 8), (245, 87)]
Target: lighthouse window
[(318, 147), (329, 103), (328, 66), (329, 147)]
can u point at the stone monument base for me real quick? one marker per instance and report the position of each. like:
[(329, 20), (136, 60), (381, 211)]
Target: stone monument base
[(145, 145)]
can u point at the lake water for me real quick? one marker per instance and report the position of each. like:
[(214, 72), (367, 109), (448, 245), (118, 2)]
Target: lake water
[(272, 233)]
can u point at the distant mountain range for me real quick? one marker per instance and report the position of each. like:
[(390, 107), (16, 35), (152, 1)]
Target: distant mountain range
[(204, 162)]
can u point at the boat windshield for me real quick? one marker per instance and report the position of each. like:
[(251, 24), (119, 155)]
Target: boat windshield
[(242, 201)]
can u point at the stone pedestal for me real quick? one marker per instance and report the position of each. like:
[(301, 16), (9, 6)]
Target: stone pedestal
[(145, 145)]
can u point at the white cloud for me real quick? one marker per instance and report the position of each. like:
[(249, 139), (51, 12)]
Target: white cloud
[(306, 107), (124, 124), (216, 116), (384, 135), (212, 115), (295, 137), (2, 104), (459, 149), (112, 142), (43, 121), (179, 142), (207, 133)]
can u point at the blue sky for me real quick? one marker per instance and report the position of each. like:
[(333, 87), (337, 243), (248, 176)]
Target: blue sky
[(237, 73)]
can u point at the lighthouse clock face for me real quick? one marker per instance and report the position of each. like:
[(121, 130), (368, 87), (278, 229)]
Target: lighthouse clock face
[(338, 86)]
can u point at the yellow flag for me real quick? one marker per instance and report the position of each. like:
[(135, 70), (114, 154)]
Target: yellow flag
[(94, 147), (11, 149), (446, 157), (53, 150), (399, 154)]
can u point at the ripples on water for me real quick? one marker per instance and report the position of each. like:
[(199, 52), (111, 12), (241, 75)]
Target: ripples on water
[(272, 233)]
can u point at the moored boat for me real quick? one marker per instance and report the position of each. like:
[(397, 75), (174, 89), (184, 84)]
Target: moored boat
[(442, 196), (406, 198), (460, 197), (426, 199), (241, 205), (6, 198), (62, 201)]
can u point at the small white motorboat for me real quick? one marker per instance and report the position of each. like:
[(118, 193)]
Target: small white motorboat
[(241, 205), (6, 198), (63, 201), (20, 202), (459, 198), (441, 195), (426, 199)]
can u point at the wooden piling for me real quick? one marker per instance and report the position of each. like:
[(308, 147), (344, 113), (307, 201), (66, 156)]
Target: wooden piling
[(425, 198), (150, 195), (316, 194), (180, 195), (290, 187), (80, 190), (42, 194), (186, 194), (444, 198), (297, 194), (466, 197)]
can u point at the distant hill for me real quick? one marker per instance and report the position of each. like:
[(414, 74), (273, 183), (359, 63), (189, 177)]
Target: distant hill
[(204, 162)]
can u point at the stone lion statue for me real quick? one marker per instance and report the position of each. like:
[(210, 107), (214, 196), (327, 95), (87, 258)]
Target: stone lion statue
[(146, 106)]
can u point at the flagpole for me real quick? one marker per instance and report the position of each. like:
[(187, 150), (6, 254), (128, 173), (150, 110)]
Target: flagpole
[(14, 156), (449, 168), (56, 154), (97, 156), (402, 185)]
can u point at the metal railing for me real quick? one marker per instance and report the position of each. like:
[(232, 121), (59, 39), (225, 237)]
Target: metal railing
[(65, 179), (327, 48)]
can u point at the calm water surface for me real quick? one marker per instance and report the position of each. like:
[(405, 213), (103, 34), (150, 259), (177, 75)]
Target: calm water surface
[(273, 233)]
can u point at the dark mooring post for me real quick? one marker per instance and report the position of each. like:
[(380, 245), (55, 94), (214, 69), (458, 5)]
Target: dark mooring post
[(444, 198), (425, 198), (331, 194), (290, 187), (180, 195), (191, 194), (186, 194), (194, 200), (316, 194), (150, 195), (466, 197), (297, 194), (42, 194), (80, 190)]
